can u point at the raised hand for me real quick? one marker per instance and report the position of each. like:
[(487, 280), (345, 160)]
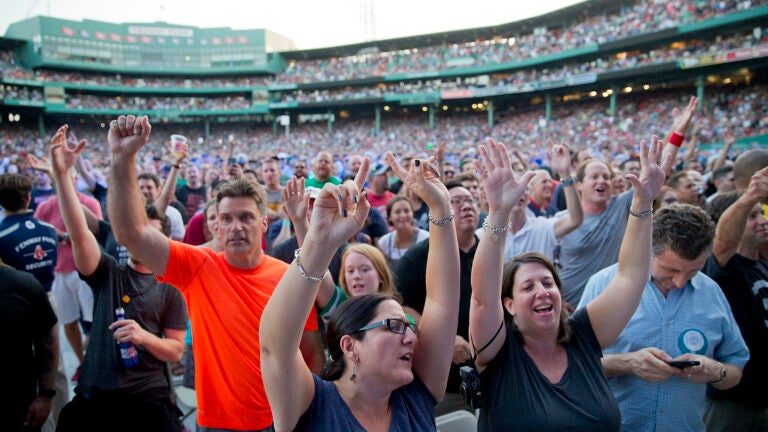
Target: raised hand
[(339, 211), (559, 158), (295, 200), (682, 119), (64, 153), (423, 180), (652, 170), (128, 134), (757, 191), (43, 164), (502, 188)]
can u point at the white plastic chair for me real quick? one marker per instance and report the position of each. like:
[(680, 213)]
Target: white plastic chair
[(188, 398), (457, 421)]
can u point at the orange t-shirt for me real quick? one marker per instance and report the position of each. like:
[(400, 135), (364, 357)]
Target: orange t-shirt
[(225, 305)]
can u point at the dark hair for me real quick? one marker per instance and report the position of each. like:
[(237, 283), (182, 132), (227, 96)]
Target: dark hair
[(394, 200), (720, 204), (511, 266), (14, 192), (242, 188), (722, 172), (453, 183), (350, 316), (165, 223), (149, 176), (684, 229), (624, 163), (675, 179), (465, 176), (658, 202)]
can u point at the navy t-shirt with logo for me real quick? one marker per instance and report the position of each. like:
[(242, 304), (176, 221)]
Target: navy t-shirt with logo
[(30, 245)]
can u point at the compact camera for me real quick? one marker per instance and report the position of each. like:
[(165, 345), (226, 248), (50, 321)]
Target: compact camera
[(470, 388)]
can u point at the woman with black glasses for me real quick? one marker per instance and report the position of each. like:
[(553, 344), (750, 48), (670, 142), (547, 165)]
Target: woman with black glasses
[(382, 375)]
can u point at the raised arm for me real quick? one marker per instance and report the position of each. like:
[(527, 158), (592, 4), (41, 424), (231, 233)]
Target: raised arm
[(730, 227), (613, 308), (503, 189), (439, 318), (338, 213), (127, 135), (680, 124), (85, 248), (169, 188), (560, 158), (730, 139)]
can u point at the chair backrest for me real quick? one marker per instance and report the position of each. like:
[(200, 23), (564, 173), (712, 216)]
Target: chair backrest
[(457, 421), (188, 399)]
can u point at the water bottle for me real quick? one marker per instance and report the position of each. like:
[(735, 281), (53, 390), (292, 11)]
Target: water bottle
[(127, 349)]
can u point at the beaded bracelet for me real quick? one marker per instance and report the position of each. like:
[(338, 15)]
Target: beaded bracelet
[(441, 222), (301, 268), (567, 181), (643, 214)]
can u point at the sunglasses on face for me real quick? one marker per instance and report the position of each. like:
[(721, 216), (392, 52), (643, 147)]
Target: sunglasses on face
[(394, 325)]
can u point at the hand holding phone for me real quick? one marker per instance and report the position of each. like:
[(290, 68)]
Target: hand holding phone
[(683, 364)]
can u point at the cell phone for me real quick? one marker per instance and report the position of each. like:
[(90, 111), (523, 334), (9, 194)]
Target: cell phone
[(683, 364), (232, 161)]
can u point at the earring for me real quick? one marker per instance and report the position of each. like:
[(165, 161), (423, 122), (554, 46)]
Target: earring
[(353, 377)]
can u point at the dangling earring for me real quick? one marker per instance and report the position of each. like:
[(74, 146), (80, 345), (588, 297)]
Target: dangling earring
[(353, 377)]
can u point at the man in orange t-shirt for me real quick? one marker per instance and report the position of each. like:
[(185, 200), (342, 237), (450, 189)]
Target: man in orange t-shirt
[(225, 292)]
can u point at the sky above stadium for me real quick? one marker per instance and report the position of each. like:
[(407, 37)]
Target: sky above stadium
[(309, 23)]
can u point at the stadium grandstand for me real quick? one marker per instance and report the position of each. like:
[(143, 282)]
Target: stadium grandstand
[(601, 75)]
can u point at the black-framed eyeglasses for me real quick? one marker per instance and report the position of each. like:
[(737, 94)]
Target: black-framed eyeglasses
[(395, 325)]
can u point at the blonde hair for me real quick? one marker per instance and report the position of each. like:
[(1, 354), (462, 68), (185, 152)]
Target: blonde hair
[(379, 263)]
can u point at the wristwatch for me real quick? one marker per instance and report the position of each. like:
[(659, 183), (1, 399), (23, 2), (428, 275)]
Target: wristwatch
[(723, 375)]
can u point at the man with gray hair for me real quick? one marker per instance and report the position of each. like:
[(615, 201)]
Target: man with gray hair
[(682, 336)]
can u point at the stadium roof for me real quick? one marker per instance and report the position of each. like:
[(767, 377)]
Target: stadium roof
[(555, 19), (7, 44)]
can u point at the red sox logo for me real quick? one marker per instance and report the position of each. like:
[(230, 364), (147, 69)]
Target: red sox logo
[(39, 253)]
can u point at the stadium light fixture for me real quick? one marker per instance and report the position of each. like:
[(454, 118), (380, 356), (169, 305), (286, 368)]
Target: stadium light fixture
[(592, 93), (627, 89), (727, 81), (646, 87), (386, 107), (425, 109)]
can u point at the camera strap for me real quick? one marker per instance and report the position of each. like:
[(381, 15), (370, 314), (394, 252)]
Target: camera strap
[(477, 352)]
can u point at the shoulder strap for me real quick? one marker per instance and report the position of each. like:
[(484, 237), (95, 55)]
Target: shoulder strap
[(477, 352)]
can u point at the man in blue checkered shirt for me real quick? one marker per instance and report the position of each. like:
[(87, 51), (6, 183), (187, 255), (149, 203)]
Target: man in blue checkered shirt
[(683, 316)]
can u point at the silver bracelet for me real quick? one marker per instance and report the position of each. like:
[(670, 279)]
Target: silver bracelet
[(643, 214), (301, 268), (441, 222), (495, 231)]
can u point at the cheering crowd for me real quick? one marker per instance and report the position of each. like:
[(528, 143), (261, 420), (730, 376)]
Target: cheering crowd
[(578, 285)]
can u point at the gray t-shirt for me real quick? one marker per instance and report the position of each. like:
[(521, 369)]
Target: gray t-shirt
[(592, 246), (155, 306)]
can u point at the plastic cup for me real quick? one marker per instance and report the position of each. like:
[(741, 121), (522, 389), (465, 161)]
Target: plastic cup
[(177, 145)]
